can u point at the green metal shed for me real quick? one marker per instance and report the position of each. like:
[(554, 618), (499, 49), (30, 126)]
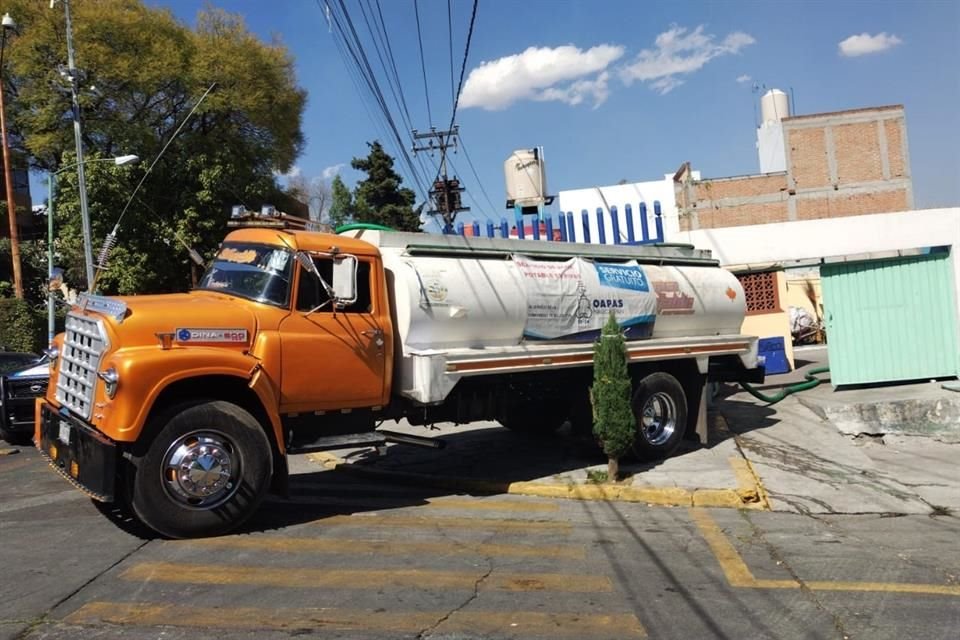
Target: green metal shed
[(891, 320)]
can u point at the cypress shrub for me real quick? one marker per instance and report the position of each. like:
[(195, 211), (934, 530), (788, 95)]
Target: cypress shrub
[(614, 424)]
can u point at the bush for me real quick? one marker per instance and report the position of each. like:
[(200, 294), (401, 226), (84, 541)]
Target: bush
[(22, 328), (614, 424)]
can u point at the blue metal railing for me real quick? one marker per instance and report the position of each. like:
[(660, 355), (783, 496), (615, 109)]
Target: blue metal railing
[(564, 229)]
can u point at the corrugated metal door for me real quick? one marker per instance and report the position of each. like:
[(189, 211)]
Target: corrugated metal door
[(892, 319)]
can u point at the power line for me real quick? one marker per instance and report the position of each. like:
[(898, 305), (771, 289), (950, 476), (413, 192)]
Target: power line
[(463, 66), (453, 96), (393, 80), (384, 50), (354, 46), (475, 175), (423, 66)]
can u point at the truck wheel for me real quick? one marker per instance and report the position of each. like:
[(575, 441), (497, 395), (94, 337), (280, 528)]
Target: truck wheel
[(205, 472), (660, 407)]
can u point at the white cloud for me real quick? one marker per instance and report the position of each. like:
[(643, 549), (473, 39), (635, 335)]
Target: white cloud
[(863, 44), (575, 93), (678, 52), (331, 171), (743, 79), (541, 73)]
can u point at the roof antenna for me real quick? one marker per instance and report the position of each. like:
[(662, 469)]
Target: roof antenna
[(111, 240)]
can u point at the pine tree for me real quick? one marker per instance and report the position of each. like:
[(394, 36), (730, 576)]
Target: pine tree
[(379, 198), (341, 203), (614, 424)]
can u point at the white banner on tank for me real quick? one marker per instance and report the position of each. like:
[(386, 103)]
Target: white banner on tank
[(572, 299)]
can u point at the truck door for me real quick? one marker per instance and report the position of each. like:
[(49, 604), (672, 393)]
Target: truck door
[(332, 359)]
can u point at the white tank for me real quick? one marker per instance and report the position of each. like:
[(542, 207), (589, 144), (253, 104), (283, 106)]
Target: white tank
[(774, 106), (526, 177), (450, 303)]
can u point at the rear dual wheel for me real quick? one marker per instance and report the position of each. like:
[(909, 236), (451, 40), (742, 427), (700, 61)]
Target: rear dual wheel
[(660, 407)]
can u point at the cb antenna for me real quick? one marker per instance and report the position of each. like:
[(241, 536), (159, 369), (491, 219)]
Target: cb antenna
[(111, 238)]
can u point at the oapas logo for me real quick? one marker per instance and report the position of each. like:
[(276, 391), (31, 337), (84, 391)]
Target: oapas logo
[(608, 303)]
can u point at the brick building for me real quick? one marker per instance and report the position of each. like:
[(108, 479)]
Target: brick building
[(843, 163)]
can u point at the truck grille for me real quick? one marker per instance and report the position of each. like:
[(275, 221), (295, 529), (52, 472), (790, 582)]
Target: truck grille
[(83, 346)]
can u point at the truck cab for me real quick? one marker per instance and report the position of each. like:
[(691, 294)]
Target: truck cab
[(192, 387)]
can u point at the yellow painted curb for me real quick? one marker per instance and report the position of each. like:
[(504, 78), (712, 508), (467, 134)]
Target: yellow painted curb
[(741, 498)]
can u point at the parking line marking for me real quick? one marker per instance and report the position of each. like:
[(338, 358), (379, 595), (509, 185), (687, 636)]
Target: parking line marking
[(739, 575), (300, 577), (482, 623), (734, 568), (414, 502), (387, 547), (434, 522)]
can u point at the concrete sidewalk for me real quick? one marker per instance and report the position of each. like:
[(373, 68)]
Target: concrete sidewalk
[(784, 457), (920, 408)]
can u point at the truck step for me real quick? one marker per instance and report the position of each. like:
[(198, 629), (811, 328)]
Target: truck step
[(367, 439)]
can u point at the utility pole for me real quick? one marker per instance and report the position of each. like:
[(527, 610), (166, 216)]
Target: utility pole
[(78, 140), (445, 192), (8, 23)]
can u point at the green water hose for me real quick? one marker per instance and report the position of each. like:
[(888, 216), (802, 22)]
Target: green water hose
[(812, 381), (361, 226)]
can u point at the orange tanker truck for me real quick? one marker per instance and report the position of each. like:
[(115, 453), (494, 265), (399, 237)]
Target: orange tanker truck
[(183, 408)]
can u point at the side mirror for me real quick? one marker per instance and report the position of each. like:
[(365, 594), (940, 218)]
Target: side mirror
[(344, 283)]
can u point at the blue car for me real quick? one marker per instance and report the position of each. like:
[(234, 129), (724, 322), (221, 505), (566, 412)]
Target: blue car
[(18, 390)]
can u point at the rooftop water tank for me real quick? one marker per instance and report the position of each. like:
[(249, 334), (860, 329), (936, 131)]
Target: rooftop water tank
[(774, 106), (526, 177)]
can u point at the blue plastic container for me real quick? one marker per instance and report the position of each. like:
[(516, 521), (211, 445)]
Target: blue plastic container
[(773, 351)]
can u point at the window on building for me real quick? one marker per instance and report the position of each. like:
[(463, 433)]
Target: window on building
[(760, 291)]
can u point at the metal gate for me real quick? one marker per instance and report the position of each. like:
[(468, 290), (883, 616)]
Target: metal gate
[(890, 320)]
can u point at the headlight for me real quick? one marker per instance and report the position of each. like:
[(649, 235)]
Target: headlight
[(111, 379)]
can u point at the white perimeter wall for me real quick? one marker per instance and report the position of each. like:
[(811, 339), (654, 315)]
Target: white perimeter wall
[(576, 200), (854, 236)]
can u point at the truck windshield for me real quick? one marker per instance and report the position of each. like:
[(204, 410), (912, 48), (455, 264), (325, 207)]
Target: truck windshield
[(253, 271)]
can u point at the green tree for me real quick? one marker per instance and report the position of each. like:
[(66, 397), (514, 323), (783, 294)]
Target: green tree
[(341, 203), (149, 70), (380, 198), (614, 424)]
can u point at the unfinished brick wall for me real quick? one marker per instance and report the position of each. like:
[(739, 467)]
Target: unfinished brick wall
[(808, 157), (740, 186), (893, 130), (851, 204), (857, 151), (735, 216), (838, 164)]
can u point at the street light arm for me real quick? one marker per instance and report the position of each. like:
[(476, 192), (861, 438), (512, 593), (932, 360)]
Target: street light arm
[(118, 160)]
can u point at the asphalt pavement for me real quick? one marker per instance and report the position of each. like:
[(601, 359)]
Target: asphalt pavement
[(781, 525)]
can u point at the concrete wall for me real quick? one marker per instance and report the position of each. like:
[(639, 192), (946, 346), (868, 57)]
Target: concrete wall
[(809, 241), (837, 164), (773, 325)]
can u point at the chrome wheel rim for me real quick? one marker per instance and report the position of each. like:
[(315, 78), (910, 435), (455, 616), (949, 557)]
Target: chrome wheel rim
[(658, 418), (201, 470)]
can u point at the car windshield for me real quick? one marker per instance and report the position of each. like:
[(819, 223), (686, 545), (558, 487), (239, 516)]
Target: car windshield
[(253, 271)]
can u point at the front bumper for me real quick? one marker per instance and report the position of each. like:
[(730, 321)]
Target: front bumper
[(78, 452)]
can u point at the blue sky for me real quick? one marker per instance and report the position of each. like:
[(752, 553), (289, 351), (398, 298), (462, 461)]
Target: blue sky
[(606, 106)]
